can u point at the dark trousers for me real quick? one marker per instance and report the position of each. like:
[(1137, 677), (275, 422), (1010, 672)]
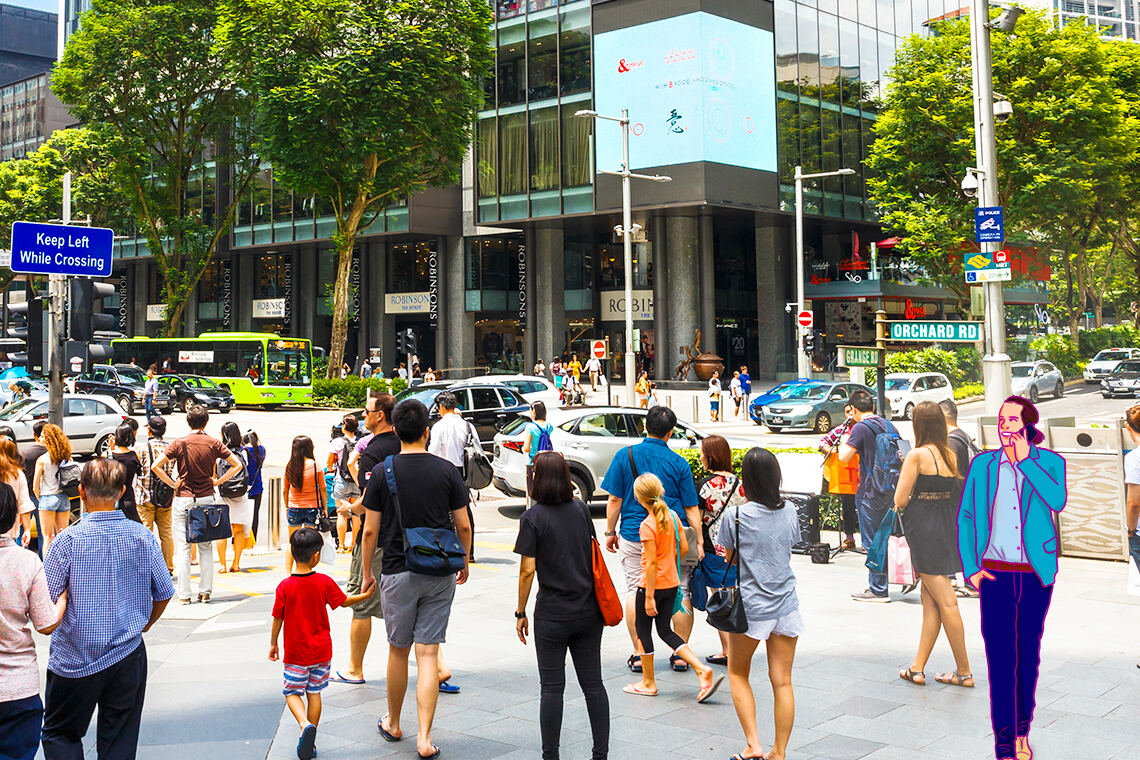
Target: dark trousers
[(850, 514), (256, 513), (870, 518), (20, 722), (666, 599), (1014, 605), (118, 692), (584, 640)]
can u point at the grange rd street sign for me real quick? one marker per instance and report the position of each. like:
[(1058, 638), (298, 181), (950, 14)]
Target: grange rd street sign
[(61, 249), (858, 356), (943, 332), (984, 266)]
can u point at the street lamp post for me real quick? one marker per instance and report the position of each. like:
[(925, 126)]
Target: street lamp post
[(803, 364), (626, 231), (996, 363)]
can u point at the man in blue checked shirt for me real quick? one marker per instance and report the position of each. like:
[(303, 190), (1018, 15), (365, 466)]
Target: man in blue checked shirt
[(105, 562)]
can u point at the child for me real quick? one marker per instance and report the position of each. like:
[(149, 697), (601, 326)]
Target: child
[(658, 590), (300, 606)]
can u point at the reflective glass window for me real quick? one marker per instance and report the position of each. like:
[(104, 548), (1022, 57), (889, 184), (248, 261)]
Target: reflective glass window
[(544, 149), (808, 37), (577, 165), (408, 266), (542, 63), (886, 16), (786, 60), (511, 73), (512, 153), (574, 52), (487, 156)]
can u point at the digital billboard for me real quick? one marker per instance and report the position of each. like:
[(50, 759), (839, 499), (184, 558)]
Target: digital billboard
[(698, 87)]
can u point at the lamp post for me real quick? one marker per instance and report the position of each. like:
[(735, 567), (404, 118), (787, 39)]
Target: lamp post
[(996, 363), (626, 231), (803, 364)]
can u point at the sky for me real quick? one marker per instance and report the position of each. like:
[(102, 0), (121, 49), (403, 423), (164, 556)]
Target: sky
[(51, 6)]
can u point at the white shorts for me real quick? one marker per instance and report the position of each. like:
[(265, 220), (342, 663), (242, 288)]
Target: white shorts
[(241, 510), (629, 554), (790, 625)]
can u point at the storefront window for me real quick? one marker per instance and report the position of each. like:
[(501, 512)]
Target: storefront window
[(544, 149), (271, 275), (499, 344), (611, 266), (512, 154), (210, 292), (408, 266), (326, 279)]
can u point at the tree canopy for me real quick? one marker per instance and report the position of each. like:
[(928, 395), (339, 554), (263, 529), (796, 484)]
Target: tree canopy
[(149, 71), (362, 102)]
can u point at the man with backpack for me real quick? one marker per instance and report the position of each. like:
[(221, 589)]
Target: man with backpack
[(538, 432), (876, 441), (155, 508)]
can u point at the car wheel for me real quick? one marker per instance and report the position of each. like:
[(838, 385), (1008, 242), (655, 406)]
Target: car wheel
[(124, 403), (822, 422), (775, 429), (908, 410), (1033, 395), (187, 405), (580, 488), (1059, 390), (103, 447), (223, 411), (1106, 395)]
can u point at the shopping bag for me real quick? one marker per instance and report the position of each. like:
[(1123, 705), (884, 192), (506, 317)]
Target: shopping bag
[(842, 477), (900, 571), (328, 549), (877, 550)]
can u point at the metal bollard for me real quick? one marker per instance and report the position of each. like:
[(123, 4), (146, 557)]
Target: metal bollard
[(696, 408), (276, 507)]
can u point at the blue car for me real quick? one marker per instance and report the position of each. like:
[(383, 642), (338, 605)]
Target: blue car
[(773, 394)]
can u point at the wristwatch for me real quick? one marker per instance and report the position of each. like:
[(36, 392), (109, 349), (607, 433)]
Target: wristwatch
[(520, 615), (611, 533)]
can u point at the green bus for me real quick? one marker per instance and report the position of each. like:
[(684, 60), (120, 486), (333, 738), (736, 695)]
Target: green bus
[(258, 368)]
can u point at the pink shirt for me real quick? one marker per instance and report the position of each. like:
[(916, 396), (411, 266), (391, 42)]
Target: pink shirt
[(24, 503), (23, 597)]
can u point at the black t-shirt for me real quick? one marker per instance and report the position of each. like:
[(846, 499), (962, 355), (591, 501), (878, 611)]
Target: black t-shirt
[(429, 489), (31, 452), (558, 537), (960, 444), (378, 449)]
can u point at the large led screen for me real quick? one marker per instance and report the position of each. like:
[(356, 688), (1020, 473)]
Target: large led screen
[(698, 88)]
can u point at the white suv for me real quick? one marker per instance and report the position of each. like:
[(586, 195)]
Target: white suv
[(906, 389), (1105, 362)]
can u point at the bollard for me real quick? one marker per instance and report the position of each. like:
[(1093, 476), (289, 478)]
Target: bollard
[(696, 409), (275, 504), (669, 401)]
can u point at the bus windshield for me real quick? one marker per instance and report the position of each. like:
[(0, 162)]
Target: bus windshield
[(287, 363)]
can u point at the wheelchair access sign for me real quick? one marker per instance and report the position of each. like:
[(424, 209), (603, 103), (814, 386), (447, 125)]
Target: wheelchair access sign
[(986, 266)]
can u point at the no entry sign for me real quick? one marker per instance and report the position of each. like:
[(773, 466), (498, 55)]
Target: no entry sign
[(598, 349), (804, 318)]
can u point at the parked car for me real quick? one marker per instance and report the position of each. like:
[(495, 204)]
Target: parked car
[(588, 438), (489, 407), (195, 390), (1105, 361), (815, 405), (1031, 379), (1124, 380), (38, 388), (530, 387), (906, 389), (124, 383), (757, 404), (89, 421)]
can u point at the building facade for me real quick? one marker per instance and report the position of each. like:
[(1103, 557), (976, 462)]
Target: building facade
[(521, 261), (29, 113), (1115, 18), (27, 42)]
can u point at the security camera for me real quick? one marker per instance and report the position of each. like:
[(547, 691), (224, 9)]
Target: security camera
[(970, 184), (1007, 19), (636, 229), (1003, 111), (619, 230)]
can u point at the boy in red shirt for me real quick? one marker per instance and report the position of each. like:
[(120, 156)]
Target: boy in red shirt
[(300, 607)]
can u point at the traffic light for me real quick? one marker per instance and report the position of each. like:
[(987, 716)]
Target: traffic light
[(25, 340), (85, 321), (809, 342), (410, 341), (401, 343)]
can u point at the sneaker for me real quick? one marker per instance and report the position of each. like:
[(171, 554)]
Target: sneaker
[(870, 596), (184, 601), (204, 597)]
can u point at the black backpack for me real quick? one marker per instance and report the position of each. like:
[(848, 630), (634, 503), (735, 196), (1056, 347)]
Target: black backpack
[(342, 460), (161, 495), (238, 485)]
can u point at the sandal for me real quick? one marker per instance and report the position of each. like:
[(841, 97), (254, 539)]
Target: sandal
[(955, 678), (965, 592), (678, 664), (633, 688), (717, 659), (634, 663), (913, 676)]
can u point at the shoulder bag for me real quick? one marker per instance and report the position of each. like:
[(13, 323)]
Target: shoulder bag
[(725, 606), (427, 551), (67, 473), (208, 522), (690, 558), (161, 495), (477, 470), (608, 600), (679, 603), (324, 522)]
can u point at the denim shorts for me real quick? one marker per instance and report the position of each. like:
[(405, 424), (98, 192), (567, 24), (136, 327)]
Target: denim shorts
[(304, 516), (55, 502)]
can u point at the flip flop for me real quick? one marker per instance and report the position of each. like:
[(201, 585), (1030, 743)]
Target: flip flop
[(387, 736), (742, 757), (307, 743), (432, 756), (448, 688), (704, 694), (633, 688), (717, 659), (343, 679)]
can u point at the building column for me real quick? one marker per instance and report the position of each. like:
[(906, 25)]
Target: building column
[(246, 290), (682, 248), (708, 283), (381, 326), (663, 369), (190, 315), (772, 283), (549, 303), (459, 335), (140, 290)]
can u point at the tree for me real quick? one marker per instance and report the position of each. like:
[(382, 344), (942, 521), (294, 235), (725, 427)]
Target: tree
[(1062, 157), (363, 102), (150, 72)]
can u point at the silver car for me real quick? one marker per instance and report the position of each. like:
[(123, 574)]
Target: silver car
[(88, 421), (1034, 379), (588, 438)]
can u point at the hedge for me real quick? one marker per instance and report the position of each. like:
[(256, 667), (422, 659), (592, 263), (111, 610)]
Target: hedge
[(1097, 339), (961, 366), (1059, 350), (352, 390), (969, 390)]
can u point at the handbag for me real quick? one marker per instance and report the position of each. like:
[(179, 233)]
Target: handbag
[(324, 522), (67, 473), (877, 551), (608, 600), (477, 469), (427, 551), (725, 607), (328, 549), (208, 522), (900, 569)]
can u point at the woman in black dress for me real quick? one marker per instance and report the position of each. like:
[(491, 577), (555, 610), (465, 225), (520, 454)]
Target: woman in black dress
[(124, 454), (927, 500)]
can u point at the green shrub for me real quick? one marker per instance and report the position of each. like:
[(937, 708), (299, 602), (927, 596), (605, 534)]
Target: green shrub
[(969, 390), (1059, 350), (320, 366), (961, 366), (351, 391), (1099, 338)]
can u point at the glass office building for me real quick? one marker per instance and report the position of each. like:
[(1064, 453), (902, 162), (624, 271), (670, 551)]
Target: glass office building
[(1115, 18)]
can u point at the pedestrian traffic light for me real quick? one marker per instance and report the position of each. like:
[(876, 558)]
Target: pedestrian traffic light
[(85, 309), (809, 343)]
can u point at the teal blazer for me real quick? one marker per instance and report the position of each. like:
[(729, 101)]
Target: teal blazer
[(1043, 493)]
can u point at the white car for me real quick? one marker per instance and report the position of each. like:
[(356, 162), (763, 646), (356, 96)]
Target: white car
[(906, 389), (530, 387), (89, 421), (1105, 362)]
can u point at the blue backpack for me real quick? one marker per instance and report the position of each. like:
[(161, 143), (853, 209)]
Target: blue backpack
[(544, 443), (883, 477)]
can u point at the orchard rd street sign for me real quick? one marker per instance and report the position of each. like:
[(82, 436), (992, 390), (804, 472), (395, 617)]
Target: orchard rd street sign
[(960, 332), (858, 356)]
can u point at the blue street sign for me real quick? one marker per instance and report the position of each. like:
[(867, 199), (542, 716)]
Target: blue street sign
[(61, 249), (989, 226)]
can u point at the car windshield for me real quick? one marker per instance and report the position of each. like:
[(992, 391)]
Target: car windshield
[(12, 411), (1023, 370), (1127, 367), (425, 397), (783, 389), (133, 376), (205, 382), (898, 383), (1111, 356), (515, 425), (806, 390)]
